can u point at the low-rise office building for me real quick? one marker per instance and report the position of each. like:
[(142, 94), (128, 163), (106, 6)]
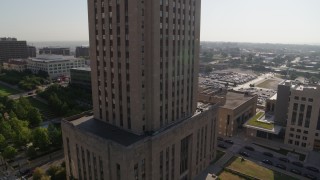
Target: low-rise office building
[(55, 65), (15, 65), (238, 108), (81, 77)]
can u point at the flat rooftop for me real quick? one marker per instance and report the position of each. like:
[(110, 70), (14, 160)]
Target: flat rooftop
[(106, 131), (53, 58), (234, 100), (83, 68)]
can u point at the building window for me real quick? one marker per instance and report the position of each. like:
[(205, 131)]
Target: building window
[(136, 172), (161, 165), (101, 168), (118, 172), (184, 155)]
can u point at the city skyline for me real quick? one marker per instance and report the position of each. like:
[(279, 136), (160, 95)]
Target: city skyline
[(286, 21)]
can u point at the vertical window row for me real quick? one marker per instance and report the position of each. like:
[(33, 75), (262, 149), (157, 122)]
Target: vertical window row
[(142, 63)]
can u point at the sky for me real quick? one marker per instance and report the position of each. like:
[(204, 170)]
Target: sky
[(266, 21)]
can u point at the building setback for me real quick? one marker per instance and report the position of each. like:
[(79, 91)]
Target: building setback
[(11, 48), (146, 121)]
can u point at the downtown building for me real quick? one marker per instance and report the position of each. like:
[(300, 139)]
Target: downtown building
[(146, 122), (11, 48), (303, 115)]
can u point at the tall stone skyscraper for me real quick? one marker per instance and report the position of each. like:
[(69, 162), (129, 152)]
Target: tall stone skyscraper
[(144, 61), (146, 123)]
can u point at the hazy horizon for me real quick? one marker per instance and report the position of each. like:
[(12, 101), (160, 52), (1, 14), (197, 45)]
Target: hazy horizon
[(247, 21)]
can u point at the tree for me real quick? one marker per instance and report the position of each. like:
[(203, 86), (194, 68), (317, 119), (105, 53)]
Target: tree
[(56, 172), (40, 138), (34, 117), (6, 130), (54, 135), (2, 141), (9, 152), (21, 130), (38, 174), (314, 80)]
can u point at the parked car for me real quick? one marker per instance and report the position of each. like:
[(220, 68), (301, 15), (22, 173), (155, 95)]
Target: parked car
[(243, 153), (268, 154), (310, 176), (281, 166), (220, 139), (228, 141), (296, 171), (267, 161), (296, 163), (312, 169), (249, 148), (222, 146), (283, 159)]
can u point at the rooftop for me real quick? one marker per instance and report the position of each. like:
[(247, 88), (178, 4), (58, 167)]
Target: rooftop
[(50, 58), (106, 131), (233, 100), (83, 68), (263, 122), (109, 132)]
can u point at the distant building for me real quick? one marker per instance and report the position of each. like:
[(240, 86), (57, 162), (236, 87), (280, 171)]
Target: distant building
[(82, 51), (32, 51), (55, 50), (55, 65), (11, 48), (81, 77), (15, 64)]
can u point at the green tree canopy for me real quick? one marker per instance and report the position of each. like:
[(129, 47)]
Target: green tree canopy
[(9, 152), (40, 138), (54, 135)]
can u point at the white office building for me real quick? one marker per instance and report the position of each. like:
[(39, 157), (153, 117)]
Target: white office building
[(55, 65)]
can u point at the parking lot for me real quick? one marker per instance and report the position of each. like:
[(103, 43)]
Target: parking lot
[(263, 94), (231, 78)]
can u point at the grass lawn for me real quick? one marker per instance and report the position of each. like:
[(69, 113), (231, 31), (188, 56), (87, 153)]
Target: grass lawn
[(227, 176), (7, 91), (252, 169), (269, 84), (282, 151), (253, 122)]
